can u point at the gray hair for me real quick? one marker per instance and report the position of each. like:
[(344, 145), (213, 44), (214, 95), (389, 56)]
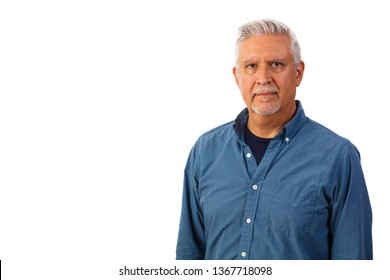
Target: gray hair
[(268, 27)]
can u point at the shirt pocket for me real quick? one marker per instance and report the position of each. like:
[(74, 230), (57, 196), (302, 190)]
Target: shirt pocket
[(291, 213)]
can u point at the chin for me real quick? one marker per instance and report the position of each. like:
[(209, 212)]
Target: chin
[(266, 110)]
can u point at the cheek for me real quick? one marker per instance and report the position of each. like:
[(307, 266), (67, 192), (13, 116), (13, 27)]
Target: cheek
[(246, 90), (285, 84), (246, 86), (246, 94)]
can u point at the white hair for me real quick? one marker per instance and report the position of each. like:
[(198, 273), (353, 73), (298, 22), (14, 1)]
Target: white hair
[(268, 27)]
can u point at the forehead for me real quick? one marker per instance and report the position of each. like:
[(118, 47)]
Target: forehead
[(265, 46)]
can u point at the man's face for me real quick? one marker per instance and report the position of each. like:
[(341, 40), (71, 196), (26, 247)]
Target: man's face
[(265, 74)]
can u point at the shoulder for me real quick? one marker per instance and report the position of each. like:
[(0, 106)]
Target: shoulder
[(322, 132), (217, 134), (328, 139), (211, 142)]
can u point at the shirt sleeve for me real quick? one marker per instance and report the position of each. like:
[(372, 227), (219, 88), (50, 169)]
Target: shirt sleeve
[(191, 240), (351, 215)]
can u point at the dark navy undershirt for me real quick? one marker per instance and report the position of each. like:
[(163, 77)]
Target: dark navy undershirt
[(257, 144)]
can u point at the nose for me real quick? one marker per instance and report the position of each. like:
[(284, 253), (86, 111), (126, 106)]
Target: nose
[(263, 75)]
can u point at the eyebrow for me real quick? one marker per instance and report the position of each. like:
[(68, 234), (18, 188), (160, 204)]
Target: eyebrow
[(251, 60)]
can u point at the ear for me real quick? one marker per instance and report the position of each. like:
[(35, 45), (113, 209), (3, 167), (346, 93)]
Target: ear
[(236, 75), (299, 73)]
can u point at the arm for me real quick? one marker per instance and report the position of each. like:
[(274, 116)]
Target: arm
[(351, 216), (191, 241)]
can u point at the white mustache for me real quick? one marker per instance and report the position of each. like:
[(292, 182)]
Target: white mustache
[(266, 89)]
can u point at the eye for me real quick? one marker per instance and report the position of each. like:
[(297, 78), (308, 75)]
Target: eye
[(276, 66), (251, 66)]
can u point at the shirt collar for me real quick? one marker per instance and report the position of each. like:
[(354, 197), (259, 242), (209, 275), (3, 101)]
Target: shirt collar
[(287, 133)]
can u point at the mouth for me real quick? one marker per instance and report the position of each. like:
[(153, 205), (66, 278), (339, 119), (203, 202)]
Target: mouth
[(264, 94)]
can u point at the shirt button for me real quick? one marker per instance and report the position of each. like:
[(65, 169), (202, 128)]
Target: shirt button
[(254, 187), (243, 254), (287, 139), (248, 155), (248, 221)]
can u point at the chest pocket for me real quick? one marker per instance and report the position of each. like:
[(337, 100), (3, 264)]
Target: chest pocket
[(291, 214)]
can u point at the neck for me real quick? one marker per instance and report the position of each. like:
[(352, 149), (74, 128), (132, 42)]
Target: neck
[(270, 125)]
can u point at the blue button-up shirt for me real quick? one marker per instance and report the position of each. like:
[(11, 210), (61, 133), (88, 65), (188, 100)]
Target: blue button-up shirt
[(307, 199)]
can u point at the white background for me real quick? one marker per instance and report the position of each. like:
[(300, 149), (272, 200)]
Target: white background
[(101, 101)]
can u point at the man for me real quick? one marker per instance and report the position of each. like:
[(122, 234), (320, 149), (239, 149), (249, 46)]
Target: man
[(273, 184)]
